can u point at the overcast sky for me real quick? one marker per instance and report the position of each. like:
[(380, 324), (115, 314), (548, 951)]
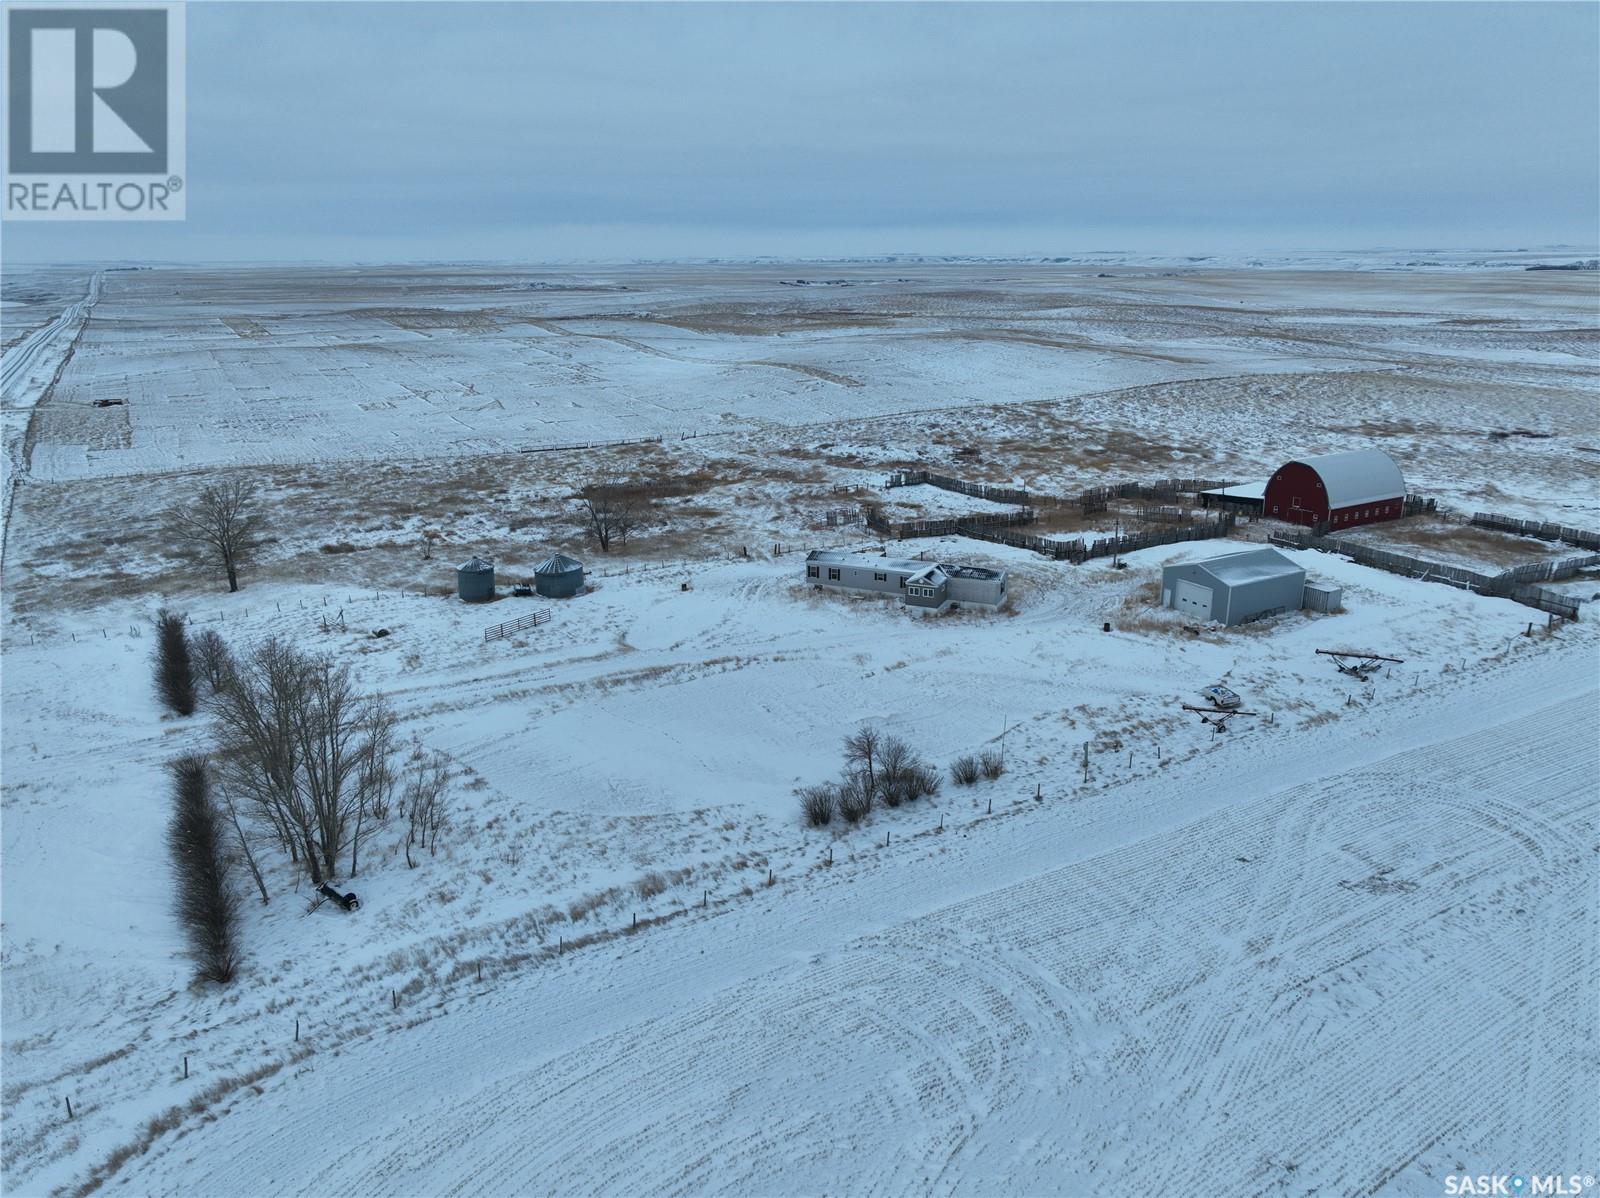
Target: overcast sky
[(571, 131)]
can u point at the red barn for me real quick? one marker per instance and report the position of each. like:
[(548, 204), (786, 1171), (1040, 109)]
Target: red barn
[(1339, 489)]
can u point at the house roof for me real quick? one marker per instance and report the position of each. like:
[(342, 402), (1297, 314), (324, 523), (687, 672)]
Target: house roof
[(476, 565), (866, 561), (907, 566), (558, 563), (1251, 565), (1359, 476)]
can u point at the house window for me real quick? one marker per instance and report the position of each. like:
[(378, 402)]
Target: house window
[(833, 575), (811, 572), (880, 578)]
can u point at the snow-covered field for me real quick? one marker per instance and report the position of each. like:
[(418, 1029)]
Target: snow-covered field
[(1348, 946)]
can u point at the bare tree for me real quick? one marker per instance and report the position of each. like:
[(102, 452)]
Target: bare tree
[(895, 760), (222, 523), (424, 799), (375, 776), (861, 751), (256, 747), (212, 657), (430, 538), (305, 751), (243, 842), (609, 511)]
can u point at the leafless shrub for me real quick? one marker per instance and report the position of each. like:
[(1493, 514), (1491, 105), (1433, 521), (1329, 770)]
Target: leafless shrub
[(817, 803), (964, 770), (338, 547), (174, 670), (207, 907), (992, 764), (652, 884), (924, 780), (854, 797)]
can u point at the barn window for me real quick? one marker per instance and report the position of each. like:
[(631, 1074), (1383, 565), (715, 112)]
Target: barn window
[(880, 578), (811, 572), (833, 575)]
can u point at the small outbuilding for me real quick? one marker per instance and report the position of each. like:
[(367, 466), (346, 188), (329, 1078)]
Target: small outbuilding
[(1234, 588), (1338, 490), (1324, 597), (558, 577), (475, 580)]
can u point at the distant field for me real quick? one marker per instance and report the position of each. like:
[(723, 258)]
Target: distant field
[(228, 367)]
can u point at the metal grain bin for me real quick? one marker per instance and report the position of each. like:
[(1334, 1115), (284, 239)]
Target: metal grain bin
[(558, 577), (475, 580)]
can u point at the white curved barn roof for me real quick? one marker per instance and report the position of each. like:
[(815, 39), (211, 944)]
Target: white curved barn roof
[(1358, 476)]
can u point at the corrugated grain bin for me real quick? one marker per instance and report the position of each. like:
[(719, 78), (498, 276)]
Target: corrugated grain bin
[(475, 580), (558, 577), (1323, 596)]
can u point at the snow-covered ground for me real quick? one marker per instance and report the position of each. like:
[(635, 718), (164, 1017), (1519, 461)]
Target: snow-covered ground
[(1346, 947)]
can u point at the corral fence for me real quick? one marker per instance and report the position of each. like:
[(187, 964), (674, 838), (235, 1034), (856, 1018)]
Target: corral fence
[(998, 530), (499, 632), (1544, 531), (1155, 513), (842, 517), (1415, 505), (906, 529), (918, 478), (1515, 583), (1166, 490)]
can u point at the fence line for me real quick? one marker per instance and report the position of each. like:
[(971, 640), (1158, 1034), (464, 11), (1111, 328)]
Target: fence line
[(906, 529), (1543, 530), (914, 478), (1164, 490), (1095, 499), (1514, 583), (996, 529)]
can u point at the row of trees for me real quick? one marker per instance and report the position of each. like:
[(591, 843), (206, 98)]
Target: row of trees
[(303, 762)]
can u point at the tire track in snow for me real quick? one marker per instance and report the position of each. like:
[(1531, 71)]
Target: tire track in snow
[(842, 1072)]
